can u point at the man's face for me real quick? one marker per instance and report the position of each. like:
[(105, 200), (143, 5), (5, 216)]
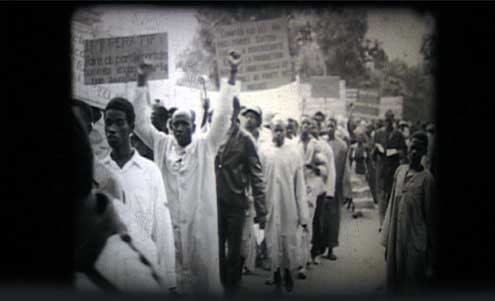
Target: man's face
[(278, 132), (416, 151), (306, 125), (389, 120), (182, 128), (251, 120), (117, 129), (319, 118)]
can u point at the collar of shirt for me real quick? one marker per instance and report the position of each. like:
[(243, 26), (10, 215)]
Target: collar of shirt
[(136, 160)]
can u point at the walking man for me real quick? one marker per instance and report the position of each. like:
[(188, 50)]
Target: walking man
[(187, 164), (237, 168)]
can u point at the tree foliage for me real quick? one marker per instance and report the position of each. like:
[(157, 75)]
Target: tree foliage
[(396, 78), (322, 40)]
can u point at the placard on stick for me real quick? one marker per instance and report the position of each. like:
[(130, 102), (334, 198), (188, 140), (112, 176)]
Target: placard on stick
[(94, 95), (367, 104), (325, 86), (264, 45), (114, 60)]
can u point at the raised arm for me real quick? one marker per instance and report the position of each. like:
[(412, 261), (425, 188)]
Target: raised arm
[(205, 106), (143, 126), (221, 119)]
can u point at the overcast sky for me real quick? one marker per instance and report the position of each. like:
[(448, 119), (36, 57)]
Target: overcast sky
[(400, 31)]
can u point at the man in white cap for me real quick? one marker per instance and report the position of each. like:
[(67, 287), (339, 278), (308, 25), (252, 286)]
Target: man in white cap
[(253, 124), (253, 117), (188, 170)]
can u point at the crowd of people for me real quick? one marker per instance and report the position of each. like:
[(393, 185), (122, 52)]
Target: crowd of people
[(193, 209)]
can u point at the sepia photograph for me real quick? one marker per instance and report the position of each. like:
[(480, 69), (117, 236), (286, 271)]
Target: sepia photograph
[(248, 150), (270, 150)]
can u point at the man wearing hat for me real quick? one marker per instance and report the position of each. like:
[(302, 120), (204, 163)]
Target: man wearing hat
[(237, 168), (253, 124), (188, 171)]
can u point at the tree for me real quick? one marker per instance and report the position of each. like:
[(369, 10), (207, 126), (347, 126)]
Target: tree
[(416, 87), (322, 40), (199, 58)]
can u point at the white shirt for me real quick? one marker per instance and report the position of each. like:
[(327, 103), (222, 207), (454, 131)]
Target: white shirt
[(146, 202)]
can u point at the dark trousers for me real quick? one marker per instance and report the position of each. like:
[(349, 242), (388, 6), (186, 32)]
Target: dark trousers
[(332, 221), (371, 179), (231, 224), (319, 239)]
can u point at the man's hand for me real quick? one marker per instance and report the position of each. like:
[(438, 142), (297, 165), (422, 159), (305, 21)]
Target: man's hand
[(144, 68), (235, 59), (261, 221)]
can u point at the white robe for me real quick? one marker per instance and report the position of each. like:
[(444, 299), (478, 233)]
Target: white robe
[(189, 178), (286, 203), (330, 167)]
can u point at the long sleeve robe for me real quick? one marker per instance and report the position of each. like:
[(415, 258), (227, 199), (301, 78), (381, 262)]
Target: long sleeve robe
[(286, 203), (189, 177), (408, 229)]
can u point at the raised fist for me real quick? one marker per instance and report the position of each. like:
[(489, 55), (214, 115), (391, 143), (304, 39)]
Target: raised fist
[(144, 67), (205, 103), (234, 59)]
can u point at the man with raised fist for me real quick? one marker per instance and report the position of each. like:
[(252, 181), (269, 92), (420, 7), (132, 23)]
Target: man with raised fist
[(188, 170)]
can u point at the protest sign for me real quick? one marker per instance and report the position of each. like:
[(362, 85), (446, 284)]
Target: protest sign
[(325, 86), (114, 60), (393, 103), (367, 104), (264, 46), (94, 95), (351, 94)]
